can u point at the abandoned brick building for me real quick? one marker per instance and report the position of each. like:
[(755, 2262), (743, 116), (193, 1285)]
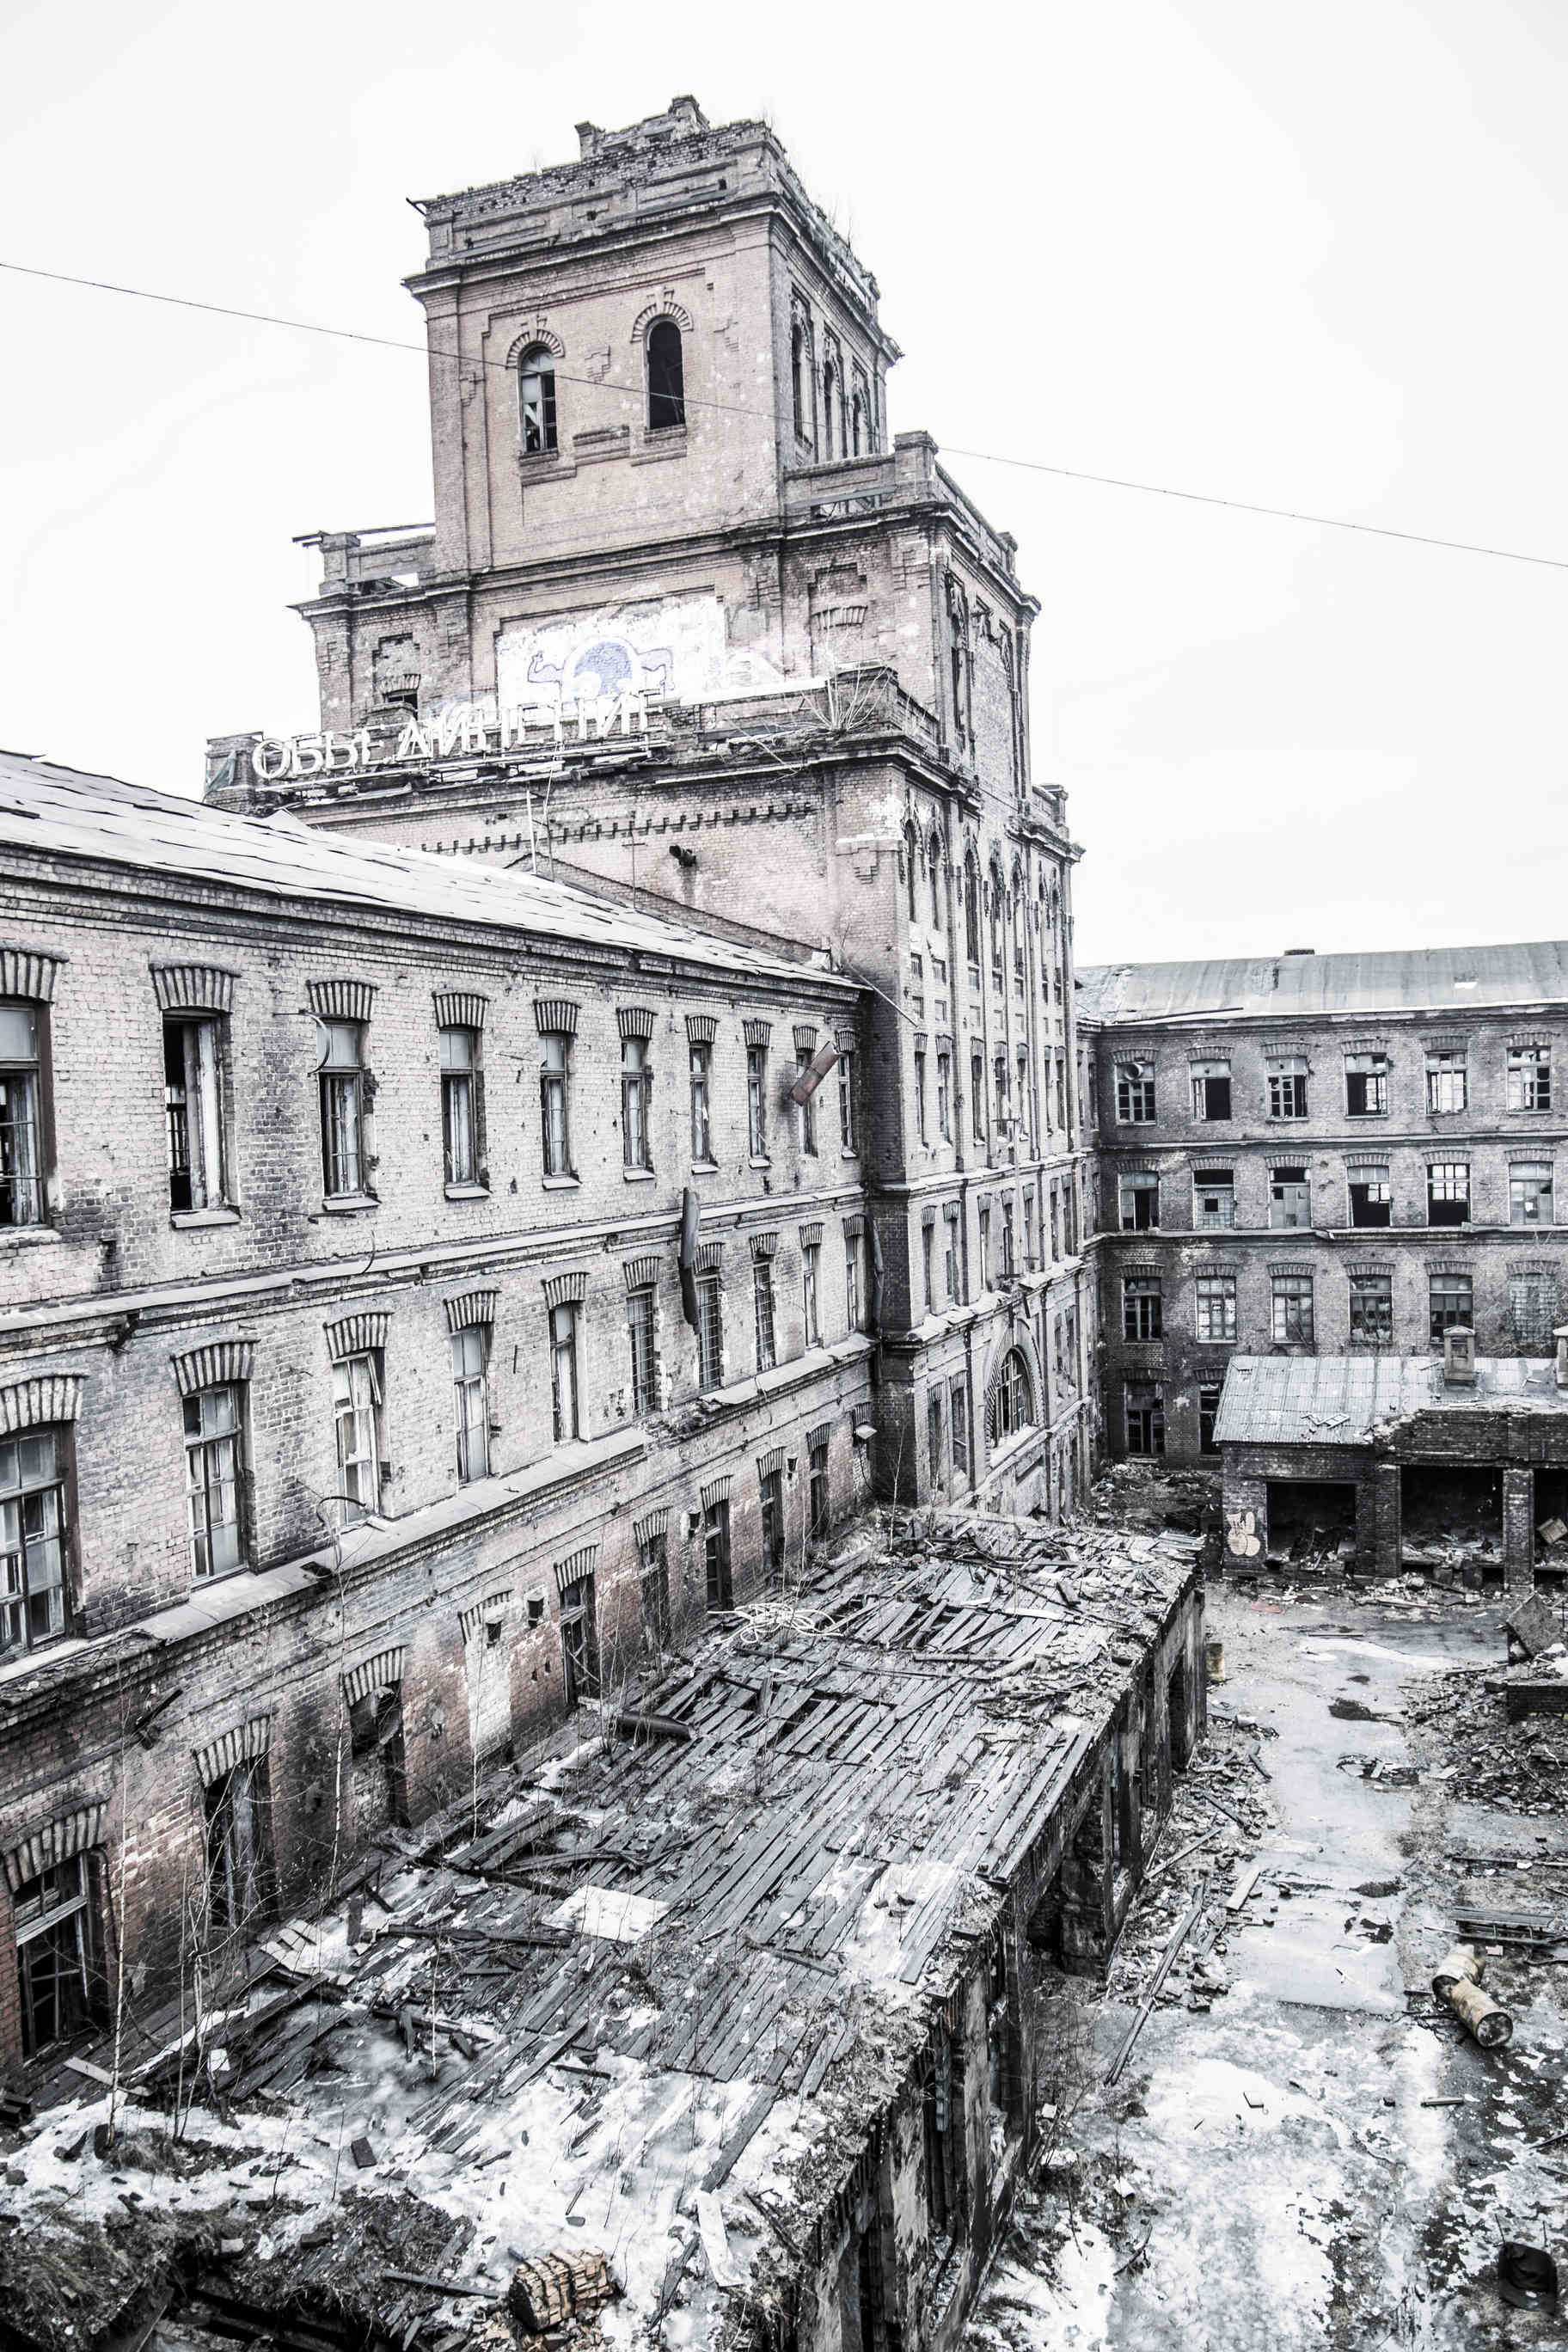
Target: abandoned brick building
[(691, 626), (1455, 1464), (1339, 1153)]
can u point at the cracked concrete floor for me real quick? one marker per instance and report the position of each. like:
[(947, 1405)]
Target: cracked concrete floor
[(1267, 2175)]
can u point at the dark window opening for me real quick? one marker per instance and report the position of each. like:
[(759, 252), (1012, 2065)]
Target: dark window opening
[(579, 1641), (716, 1553), (666, 376), (54, 1954), (536, 397), (1371, 1196)]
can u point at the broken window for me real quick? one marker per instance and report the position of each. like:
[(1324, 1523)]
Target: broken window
[(378, 1757), (1291, 1323), (819, 1506), (1211, 1090), (459, 1061), (554, 1085), (847, 1098), (977, 1096), (716, 1551), (928, 1261), (1287, 1086), (639, 1336), (1447, 1082), (1209, 1413), (1139, 1201), (1372, 1195), (999, 1074), (986, 1244), (958, 1422), (356, 1419), (1144, 1407), (1135, 1093), (192, 1111), (800, 380), (701, 1121), (53, 1930), (933, 868), (852, 1282), (1023, 1091), (811, 1291), (944, 1096), (1451, 1299), (653, 1551), (933, 1435), (710, 1332), (213, 1476), (1010, 1407), (1529, 1077), (536, 400), (1056, 1224), (949, 1252), (1289, 1199), (1448, 1193), (920, 1093), (579, 1641), (636, 1103), (806, 1111), (1532, 1307), (762, 1299), (21, 1118), (1215, 1300), (757, 1101), (471, 1399), (1029, 1225), (563, 1373), (341, 1068), (1008, 1266), (666, 376), (1372, 1306), (772, 1529), (913, 880), (1142, 1307), (239, 1872), (1061, 1090), (1214, 1197), (1366, 1086), (998, 920), (1529, 1192), (972, 911)]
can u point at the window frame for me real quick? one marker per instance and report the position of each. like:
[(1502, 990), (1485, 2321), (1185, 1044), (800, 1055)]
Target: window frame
[(1287, 1095), (757, 1101), (49, 1540), (555, 1104), (1442, 1191), (462, 1150), (1542, 1175), (665, 408), (37, 1923), (710, 1333), (1204, 1076), (358, 1407), (1529, 1078), (642, 1345), (25, 1139), (470, 1354), (566, 1372), (205, 1477), (764, 1315), (1215, 1309), (1292, 1310), (636, 1105), (1448, 1073), (1142, 1307), (345, 1145), (195, 1136), (1370, 1292), (1136, 1092), (700, 1072), (546, 427), (1443, 1319)]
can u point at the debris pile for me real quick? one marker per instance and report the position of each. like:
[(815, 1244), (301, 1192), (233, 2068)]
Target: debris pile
[(1519, 1766)]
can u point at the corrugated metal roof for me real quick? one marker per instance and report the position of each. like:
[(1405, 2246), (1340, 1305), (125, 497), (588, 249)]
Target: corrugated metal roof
[(62, 812), (1399, 980), (1340, 1399)]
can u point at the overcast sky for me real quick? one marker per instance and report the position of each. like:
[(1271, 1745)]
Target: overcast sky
[(1312, 256)]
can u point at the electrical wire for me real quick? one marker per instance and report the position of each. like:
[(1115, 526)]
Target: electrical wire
[(429, 351)]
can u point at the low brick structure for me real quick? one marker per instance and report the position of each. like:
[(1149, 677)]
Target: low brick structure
[(1454, 1465)]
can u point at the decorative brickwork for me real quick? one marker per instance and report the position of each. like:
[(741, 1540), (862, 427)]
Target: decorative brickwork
[(222, 1364), (341, 1000), (356, 1335), (193, 987), (220, 1756)]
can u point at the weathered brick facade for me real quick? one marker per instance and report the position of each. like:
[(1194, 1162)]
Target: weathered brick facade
[(1477, 1031)]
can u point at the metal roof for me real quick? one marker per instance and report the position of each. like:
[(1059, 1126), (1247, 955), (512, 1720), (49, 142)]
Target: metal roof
[(54, 810), (1397, 980), (1344, 1400)]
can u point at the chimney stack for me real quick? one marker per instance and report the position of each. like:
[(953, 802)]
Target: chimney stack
[(1459, 1357), (1560, 1335)]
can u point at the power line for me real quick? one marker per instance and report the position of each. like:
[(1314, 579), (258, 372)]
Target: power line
[(694, 399)]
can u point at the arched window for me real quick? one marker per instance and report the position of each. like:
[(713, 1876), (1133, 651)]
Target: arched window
[(912, 862), (1010, 1406), (666, 376), (536, 400), (857, 426), (998, 920), (799, 368), (933, 859), (829, 397), (972, 909)]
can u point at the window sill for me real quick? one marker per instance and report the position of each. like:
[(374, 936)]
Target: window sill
[(185, 1220), (26, 1236), (467, 1192), (560, 1183), (348, 1204), (848, 1152), (759, 1160), (663, 441), (638, 1175), (705, 1168)]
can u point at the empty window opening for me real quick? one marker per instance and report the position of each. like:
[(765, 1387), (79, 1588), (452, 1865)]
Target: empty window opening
[(1209, 1395), (958, 1426), (757, 1101), (1448, 1193), (1452, 1514), (818, 1491), (579, 1641), (1145, 1417), (193, 1113), (654, 1568), (1211, 1090), (640, 1339), (21, 1130), (716, 1553), (1372, 1194), (536, 400), (666, 376), (239, 1889), (1366, 1086), (1139, 1202), (702, 1106), (54, 1954), (811, 1292), (772, 1530), (1552, 1529), (1311, 1524)]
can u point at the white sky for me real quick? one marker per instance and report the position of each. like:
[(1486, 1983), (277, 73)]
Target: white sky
[(1307, 254)]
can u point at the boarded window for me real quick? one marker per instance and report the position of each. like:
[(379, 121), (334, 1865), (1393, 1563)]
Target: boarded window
[(1214, 1197), (1532, 1310)]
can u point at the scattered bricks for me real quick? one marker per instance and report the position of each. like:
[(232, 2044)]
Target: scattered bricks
[(552, 2289)]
